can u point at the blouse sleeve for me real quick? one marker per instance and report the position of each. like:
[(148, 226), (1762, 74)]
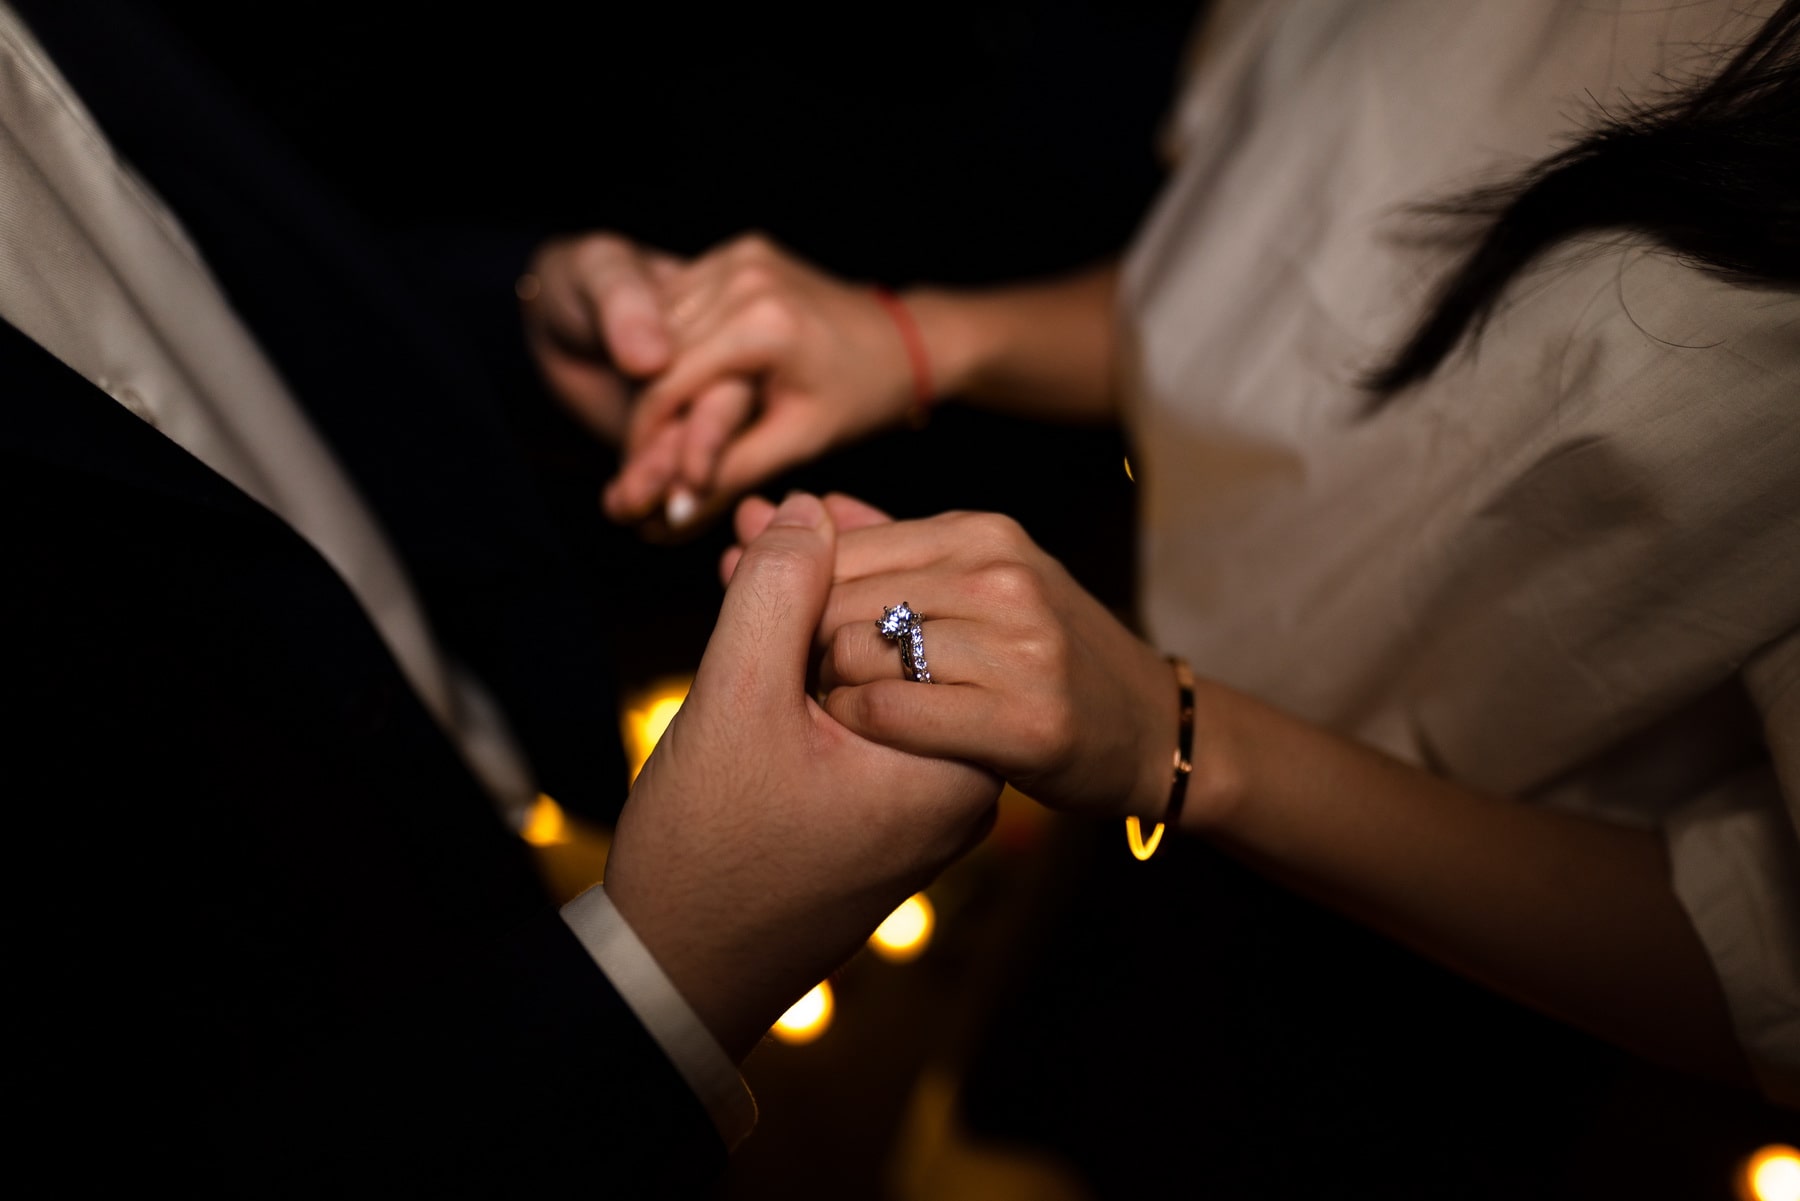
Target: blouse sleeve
[(1735, 853)]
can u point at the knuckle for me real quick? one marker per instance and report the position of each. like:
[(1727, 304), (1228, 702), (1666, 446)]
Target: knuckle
[(771, 319), (752, 279), (1044, 655), (1009, 584), (996, 531), (597, 251), (754, 245)]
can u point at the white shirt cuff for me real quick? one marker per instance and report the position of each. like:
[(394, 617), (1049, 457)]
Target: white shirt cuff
[(671, 1021)]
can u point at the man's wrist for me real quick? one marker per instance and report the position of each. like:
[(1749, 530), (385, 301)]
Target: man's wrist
[(694, 971), (691, 1045)]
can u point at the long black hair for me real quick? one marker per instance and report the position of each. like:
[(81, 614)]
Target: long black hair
[(1712, 173)]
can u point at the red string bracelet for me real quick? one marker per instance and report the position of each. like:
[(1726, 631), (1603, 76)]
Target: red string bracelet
[(923, 392)]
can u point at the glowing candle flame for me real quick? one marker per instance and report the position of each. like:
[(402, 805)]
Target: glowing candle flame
[(906, 932), (646, 720), (808, 1018), (1772, 1174), (545, 825)]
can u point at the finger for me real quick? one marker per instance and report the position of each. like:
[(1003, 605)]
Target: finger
[(784, 437), (595, 394), (934, 594), (644, 479), (761, 645), (728, 563), (943, 721), (556, 307), (718, 413), (752, 517), (965, 538), (626, 305), (895, 548), (955, 652), (753, 514), (694, 302), (738, 349), (850, 513)]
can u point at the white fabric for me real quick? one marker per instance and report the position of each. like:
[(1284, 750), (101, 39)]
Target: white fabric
[(1547, 571), (687, 1041), (98, 272)]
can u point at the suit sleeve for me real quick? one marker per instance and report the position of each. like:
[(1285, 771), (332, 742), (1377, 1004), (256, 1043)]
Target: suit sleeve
[(265, 933)]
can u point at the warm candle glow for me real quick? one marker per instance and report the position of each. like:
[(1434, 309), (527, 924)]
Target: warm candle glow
[(809, 1017), (545, 825), (1772, 1174), (646, 718), (906, 932)]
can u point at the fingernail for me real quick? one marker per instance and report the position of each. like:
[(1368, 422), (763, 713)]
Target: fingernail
[(799, 509), (681, 507)]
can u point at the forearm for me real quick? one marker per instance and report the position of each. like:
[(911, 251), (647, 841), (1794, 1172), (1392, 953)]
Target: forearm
[(1042, 350), (1572, 916), (1575, 917)]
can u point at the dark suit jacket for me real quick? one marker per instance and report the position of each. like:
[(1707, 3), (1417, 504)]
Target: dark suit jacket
[(264, 932)]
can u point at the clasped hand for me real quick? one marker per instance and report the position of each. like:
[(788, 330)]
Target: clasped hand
[(1032, 677), (764, 840), (744, 362), (770, 831)]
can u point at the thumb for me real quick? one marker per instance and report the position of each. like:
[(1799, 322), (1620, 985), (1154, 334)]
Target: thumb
[(628, 310), (759, 650)]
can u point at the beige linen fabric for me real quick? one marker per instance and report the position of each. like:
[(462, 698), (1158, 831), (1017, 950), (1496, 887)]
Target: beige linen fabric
[(1567, 567)]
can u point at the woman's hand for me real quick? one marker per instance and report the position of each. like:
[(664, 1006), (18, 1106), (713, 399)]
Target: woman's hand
[(1033, 678), (1574, 915), (763, 841), (771, 363)]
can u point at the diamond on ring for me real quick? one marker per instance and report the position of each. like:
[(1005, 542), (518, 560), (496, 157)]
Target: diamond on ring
[(895, 621), (900, 624)]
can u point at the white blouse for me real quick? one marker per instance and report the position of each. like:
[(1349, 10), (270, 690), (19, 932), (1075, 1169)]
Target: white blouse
[(1564, 568)]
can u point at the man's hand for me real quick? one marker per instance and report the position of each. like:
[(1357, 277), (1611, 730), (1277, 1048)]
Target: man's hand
[(594, 321), (763, 841), (771, 362)]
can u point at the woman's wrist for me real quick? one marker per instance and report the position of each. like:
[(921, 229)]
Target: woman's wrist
[(952, 335), (1213, 790), (1043, 349), (1219, 786)]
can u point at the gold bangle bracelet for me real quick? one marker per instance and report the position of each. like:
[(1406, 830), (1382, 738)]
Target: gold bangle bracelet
[(1182, 768)]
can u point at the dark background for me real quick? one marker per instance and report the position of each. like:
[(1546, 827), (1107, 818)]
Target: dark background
[(943, 142), (1173, 1030)]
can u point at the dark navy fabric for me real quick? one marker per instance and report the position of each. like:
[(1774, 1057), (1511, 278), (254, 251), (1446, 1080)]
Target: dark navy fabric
[(266, 933)]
